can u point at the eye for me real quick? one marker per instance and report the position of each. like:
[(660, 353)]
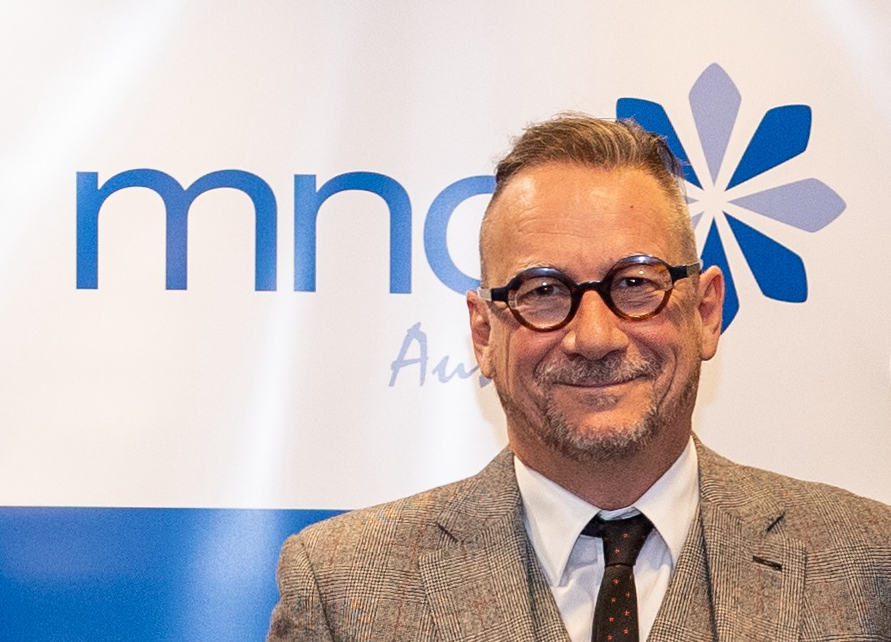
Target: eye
[(540, 289), (634, 283), (543, 291), (641, 278)]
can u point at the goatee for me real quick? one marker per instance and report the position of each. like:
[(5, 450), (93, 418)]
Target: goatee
[(607, 443)]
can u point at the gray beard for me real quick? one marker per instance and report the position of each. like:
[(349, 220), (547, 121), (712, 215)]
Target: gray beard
[(611, 443)]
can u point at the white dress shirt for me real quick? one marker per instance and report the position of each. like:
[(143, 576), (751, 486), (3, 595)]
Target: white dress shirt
[(573, 564)]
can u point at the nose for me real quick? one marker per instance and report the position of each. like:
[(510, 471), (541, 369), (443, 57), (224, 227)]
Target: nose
[(595, 331)]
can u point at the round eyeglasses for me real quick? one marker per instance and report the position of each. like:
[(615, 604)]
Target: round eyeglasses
[(636, 288)]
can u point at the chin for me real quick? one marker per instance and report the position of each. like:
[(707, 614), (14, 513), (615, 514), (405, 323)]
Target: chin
[(599, 440)]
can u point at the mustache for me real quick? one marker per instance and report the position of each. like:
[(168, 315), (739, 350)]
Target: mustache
[(611, 369)]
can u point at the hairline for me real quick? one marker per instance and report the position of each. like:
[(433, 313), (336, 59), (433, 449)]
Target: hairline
[(679, 219)]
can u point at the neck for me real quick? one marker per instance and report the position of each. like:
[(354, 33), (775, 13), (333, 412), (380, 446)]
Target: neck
[(610, 483)]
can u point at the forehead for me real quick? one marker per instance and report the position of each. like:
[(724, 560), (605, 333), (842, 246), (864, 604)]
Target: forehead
[(579, 219)]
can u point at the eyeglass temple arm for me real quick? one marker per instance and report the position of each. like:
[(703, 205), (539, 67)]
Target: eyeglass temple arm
[(682, 271), (492, 294)]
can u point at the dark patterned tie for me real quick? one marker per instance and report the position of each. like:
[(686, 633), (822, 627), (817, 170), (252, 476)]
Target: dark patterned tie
[(615, 615)]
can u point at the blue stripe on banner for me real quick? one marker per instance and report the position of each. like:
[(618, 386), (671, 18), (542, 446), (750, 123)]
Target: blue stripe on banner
[(146, 574)]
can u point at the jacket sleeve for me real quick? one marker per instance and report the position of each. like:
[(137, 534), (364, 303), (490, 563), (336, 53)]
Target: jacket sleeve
[(299, 615)]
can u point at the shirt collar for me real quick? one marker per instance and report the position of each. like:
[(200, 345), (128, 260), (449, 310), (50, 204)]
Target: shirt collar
[(554, 517)]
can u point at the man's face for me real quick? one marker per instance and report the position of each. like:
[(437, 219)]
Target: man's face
[(601, 387)]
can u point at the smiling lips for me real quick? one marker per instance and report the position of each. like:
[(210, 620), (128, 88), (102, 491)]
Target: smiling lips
[(609, 371), (599, 384)]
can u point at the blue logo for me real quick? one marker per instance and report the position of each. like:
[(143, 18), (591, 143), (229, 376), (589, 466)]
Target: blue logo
[(308, 200), (807, 204)]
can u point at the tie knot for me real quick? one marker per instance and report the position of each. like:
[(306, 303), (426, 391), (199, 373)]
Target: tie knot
[(622, 538)]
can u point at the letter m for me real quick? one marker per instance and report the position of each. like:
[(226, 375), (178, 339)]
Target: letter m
[(177, 202)]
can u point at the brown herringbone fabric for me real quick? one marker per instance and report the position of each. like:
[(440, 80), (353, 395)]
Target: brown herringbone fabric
[(769, 559), (615, 614), (686, 614)]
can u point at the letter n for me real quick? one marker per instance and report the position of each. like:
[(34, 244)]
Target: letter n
[(177, 202), (308, 200)]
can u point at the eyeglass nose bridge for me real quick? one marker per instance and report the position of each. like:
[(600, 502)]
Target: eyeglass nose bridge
[(577, 292)]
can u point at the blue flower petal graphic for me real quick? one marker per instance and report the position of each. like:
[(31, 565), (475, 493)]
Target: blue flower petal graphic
[(807, 204), (778, 270), (652, 117), (713, 254), (782, 134), (714, 100)]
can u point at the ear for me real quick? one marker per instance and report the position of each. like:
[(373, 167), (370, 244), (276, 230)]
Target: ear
[(711, 307), (480, 332)]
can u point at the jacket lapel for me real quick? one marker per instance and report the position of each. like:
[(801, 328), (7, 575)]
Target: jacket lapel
[(686, 614), (484, 583), (756, 573)]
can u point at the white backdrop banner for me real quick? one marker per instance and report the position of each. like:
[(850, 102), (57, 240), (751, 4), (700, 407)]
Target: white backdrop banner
[(236, 238)]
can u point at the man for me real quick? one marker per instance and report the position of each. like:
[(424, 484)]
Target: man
[(593, 321)]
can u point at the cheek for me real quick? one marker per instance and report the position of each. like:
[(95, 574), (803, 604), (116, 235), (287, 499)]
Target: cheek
[(671, 346), (517, 354), (680, 359), (498, 357)]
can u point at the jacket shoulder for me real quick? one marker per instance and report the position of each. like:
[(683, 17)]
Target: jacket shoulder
[(814, 512), (406, 528), (409, 514)]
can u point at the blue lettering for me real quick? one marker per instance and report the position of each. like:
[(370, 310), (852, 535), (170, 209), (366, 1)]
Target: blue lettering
[(460, 371), (307, 201), (413, 334), (177, 202), (436, 227)]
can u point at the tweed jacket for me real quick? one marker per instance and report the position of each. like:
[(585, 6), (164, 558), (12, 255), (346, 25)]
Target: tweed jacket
[(769, 558)]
